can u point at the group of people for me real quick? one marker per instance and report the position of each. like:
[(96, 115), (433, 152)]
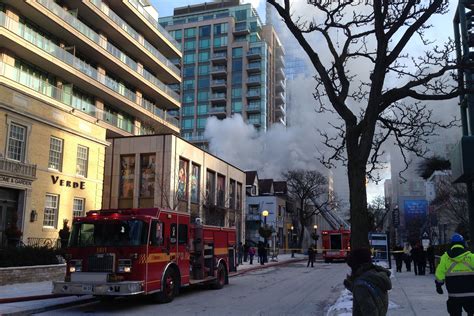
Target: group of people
[(246, 252), (418, 255), (370, 283)]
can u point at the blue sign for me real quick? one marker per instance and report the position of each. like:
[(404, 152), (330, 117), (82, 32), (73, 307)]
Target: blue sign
[(415, 209)]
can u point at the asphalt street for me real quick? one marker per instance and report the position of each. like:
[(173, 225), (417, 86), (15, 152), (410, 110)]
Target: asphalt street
[(291, 289)]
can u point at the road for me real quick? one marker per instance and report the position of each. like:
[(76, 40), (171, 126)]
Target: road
[(290, 289)]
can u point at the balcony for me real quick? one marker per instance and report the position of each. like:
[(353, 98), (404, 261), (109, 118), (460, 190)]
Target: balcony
[(280, 86), (280, 99), (254, 67), (105, 53), (196, 138), (219, 111), (97, 12), (253, 94), (31, 46), (241, 28), (219, 84), (141, 20), (219, 71), (254, 53), (18, 169), (280, 61), (35, 86), (254, 81), (219, 58), (254, 107), (254, 121), (280, 111), (280, 74), (218, 97)]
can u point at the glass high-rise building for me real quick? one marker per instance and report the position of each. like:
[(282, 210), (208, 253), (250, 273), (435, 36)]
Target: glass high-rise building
[(232, 64)]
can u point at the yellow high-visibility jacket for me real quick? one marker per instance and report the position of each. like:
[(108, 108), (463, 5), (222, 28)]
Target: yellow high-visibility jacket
[(457, 269)]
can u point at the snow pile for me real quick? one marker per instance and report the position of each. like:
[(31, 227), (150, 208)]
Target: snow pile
[(343, 305)]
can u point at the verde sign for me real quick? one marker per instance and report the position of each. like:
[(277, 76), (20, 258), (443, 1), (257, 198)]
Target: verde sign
[(68, 184)]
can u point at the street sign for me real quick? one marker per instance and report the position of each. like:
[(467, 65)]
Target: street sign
[(379, 242)]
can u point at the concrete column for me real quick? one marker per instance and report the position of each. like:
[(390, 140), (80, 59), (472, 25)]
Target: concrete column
[(140, 68), (103, 41), (137, 125), (102, 74), (12, 23)]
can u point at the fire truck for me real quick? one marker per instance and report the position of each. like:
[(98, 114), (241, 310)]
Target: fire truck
[(126, 252), (336, 244)]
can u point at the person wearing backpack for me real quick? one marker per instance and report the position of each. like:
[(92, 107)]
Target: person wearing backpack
[(368, 283)]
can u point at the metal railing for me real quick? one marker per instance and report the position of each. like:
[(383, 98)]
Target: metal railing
[(127, 28), (17, 168), (43, 242), (219, 55), (85, 30), (154, 22), (254, 79)]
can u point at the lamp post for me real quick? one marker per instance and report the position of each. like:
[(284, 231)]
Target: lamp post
[(265, 214), (292, 242), (315, 238)]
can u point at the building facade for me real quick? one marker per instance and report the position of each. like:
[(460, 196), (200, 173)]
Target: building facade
[(231, 64), (73, 73), (167, 171)]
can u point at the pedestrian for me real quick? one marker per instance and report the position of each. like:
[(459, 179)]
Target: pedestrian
[(246, 252), (368, 283), (240, 252), (415, 255), (456, 268), (261, 254), (311, 256), (398, 256), (407, 256), (421, 260), (251, 254), (431, 258)]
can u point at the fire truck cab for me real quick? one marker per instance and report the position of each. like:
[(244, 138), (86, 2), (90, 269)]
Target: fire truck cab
[(336, 244), (153, 252)]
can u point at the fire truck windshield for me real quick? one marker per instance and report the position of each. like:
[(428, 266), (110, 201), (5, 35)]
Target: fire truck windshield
[(109, 233)]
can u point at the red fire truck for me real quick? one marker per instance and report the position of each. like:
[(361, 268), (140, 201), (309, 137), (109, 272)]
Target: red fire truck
[(152, 252), (336, 244)]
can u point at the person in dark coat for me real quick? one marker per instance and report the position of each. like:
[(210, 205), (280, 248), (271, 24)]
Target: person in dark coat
[(261, 253), (415, 255), (251, 254), (430, 255), (246, 252), (421, 260), (398, 256), (311, 256), (240, 252), (368, 283)]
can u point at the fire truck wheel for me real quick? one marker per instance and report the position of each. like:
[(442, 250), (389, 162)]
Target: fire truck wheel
[(170, 288), (220, 281)]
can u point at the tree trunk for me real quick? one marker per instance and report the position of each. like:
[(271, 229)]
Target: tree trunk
[(302, 223), (358, 200)]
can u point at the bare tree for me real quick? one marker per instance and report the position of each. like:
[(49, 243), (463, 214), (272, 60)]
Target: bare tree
[(309, 188), (429, 165), (378, 210), (385, 103), (450, 204)]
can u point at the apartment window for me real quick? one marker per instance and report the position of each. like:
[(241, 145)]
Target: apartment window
[(236, 106), (241, 15), (220, 190), (178, 34), (204, 43), (50, 210), (203, 84), (189, 84), (190, 32), (188, 124), (210, 187), (189, 58), (190, 44), (201, 122), (203, 69), (205, 31), (204, 56), (202, 109), (188, 110), (203, 96), (237, 93), (220, 41), (78, 207), (55, 153), (82, 159), (16, 142), (220, 28), (237, 65), (188, 97), (237, 52), (189, 71)]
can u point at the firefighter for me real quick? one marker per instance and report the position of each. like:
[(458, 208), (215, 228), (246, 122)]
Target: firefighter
[(457, 268)]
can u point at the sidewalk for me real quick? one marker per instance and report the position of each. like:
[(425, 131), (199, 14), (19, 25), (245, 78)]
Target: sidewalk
[(45, 288), (410, 295)]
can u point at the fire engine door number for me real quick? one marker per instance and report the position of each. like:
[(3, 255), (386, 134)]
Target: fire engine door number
[(87, 288)]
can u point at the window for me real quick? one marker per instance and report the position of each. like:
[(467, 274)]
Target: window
[(239, 196), (237, 93), (55, 153), (188, 84), (190, 44), (189, 58), (16, 142), (191, 32), (232, 194), (237, 64), (210, 187), (188, 110), (204, 56), (241, 15), (204, 43), (203, 96), (202, 109), (82, 159), (182, 191), (195, 180), (220, 190), (78, 207), (182, 234), (156, 235), (178, 34), (201, 122), (127, 176), (188, 97), (220, 28), (189, 71), (50, 210), (220, 41), (147, 175), (205, 31), (236, 106), (237, 52), (188, 124), (203, 69), (203, 83)]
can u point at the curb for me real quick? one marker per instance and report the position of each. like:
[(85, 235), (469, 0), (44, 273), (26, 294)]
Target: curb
[(268, 265), (30, 298), (50, 308)]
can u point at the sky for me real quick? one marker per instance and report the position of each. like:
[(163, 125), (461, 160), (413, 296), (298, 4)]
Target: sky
[(298, 146)]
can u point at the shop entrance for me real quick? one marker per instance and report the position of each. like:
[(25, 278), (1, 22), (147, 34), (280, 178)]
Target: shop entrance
[(8, 211)]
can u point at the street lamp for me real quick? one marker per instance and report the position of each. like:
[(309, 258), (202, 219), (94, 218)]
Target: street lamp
[(292, 242), (315, 238), (265, 214)]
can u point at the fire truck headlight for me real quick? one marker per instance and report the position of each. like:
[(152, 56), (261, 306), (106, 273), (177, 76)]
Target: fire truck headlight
[(75, 266), (124, 266)]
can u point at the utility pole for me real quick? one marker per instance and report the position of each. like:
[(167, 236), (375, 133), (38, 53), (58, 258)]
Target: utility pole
[(462, 160)]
